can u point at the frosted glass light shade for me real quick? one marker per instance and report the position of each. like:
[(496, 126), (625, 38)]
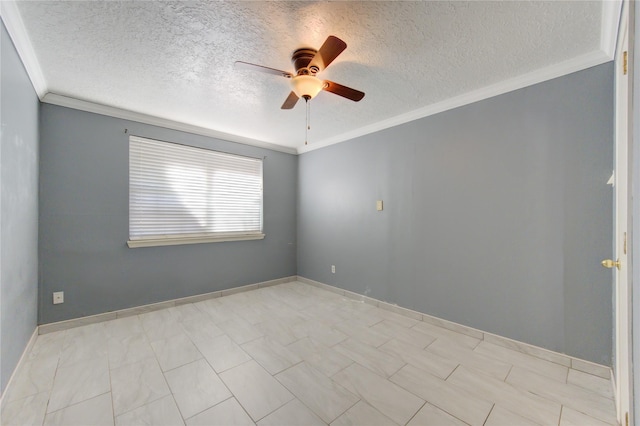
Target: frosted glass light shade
[(306, 85)]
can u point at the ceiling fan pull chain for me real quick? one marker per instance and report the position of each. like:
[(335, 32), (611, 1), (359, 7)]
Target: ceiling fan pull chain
[(308, 126)]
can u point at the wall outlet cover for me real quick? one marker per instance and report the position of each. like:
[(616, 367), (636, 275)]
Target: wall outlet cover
[(58, 297)]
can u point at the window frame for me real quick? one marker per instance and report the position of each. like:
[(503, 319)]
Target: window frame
[(192, 238)]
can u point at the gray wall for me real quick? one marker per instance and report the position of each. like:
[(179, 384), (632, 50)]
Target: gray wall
[(496, 215), (84, 222), (18, 208)]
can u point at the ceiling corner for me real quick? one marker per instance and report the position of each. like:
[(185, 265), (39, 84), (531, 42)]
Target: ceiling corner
[(15, 27), (611, 10)]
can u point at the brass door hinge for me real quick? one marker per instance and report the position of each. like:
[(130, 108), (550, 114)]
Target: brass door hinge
[(624, 62), (625, 243), (626, 419)]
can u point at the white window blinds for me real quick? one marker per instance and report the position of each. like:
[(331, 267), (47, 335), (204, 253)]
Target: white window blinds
[(182, 192)]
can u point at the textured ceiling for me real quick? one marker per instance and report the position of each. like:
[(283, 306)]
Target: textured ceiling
[(174, 60)]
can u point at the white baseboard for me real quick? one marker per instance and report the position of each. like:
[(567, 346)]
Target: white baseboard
[(107, 316), (526, 348), (21, 361)]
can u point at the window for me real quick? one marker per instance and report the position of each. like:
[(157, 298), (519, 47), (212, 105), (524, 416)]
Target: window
[(181, 195)]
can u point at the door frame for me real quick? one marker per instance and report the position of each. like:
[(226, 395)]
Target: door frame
[(622, 276)]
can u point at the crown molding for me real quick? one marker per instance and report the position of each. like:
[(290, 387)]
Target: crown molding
[(611, 10), (65, 101), (558, 70), (18, 33)]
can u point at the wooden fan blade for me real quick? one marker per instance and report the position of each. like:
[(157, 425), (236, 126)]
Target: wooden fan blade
[(330, 50), (344, 91), (253, 67), (290, 102)]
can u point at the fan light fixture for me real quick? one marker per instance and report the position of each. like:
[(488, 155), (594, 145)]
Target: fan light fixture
[(306, 86), (304, 83)]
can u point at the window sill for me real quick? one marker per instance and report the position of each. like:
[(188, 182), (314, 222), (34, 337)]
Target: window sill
[(154, 242)]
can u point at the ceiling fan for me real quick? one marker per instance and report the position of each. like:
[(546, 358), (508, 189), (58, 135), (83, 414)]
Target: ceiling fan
[(308, 62)]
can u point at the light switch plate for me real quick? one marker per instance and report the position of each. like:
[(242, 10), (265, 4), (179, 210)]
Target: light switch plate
[(58, 297), (379, 205)]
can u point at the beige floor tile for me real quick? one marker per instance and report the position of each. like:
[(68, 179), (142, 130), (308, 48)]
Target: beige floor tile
[(202, 328), (390, 399), (175, 351), (323, 396), (25, 411), (459, 402), (186, 312), (432, 415), (240, 330), (83, 344), (92, 412), (271, 355), (79, 382), (346, 361), (354, 305), (363, 414), (518, 401), (319, 332), (375, 360), (362, 333), (222, 353), (124, 327), (446, 334), (196, 387), (591, 382), (227, 413), (216, 311), (160, 325), (540, 366), (278, 330), (502, 417), (403, 334), (128, 349), (162, 412), (35, 376), (367, 318), (427, 361), (576, 397), (138, 384), (48, 345), (571, 417), (292, 413), (324, 359), (468, 358), (327, 313), (397, 318), (255, 389)]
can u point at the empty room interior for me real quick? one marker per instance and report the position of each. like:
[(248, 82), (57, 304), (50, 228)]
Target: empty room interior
[(318, 213)]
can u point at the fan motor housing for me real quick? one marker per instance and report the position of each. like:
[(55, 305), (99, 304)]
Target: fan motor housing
[(301, 59)]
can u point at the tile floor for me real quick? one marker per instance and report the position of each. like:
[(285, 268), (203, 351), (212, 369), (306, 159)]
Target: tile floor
[(291, 354)]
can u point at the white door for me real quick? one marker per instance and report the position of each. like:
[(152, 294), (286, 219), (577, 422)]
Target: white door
[(622, 365)]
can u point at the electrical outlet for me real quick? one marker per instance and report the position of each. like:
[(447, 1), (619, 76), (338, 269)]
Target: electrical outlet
[(58, 297), (333, 269)]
